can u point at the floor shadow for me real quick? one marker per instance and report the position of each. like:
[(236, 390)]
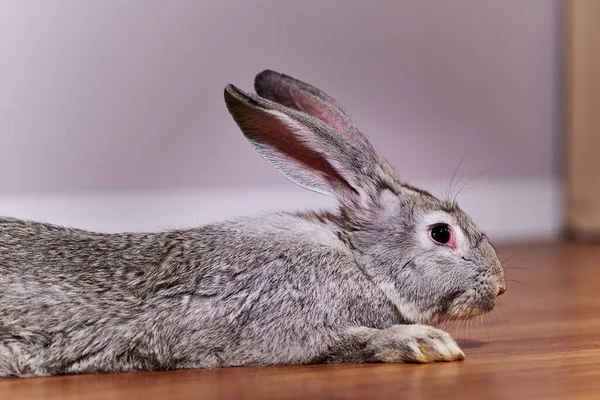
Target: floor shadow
[(470, 344)]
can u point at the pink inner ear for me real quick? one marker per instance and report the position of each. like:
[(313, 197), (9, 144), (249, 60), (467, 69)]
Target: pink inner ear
[(316, 109), (305, 161)]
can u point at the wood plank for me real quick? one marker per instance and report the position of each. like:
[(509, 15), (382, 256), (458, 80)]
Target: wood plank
[(543, 342), (582, 118)]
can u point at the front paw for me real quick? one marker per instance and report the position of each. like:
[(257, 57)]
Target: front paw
[(415, 343)]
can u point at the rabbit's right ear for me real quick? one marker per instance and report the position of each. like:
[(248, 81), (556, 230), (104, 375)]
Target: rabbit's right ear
[(301, 96), (306, 150)]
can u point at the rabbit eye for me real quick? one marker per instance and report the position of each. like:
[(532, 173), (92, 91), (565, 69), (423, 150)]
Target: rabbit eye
[(441, 233)]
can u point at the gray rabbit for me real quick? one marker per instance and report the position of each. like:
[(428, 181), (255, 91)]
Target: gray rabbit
[(354, 286)]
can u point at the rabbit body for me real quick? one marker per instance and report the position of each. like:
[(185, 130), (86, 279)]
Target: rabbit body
[(234, 293)]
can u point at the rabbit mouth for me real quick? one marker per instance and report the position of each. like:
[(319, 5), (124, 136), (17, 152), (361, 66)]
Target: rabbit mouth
[(467, 305)]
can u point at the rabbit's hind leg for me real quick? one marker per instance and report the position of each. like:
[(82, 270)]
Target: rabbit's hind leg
[(19, 350)]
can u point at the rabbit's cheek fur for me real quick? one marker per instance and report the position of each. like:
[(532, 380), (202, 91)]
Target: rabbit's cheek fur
[(478, 297), (477, 300), (444, 283)]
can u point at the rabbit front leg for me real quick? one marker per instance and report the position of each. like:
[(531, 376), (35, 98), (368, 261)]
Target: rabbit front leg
[(399, 343)]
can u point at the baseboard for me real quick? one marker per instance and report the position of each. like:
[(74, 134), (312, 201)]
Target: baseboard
[(508, 210)]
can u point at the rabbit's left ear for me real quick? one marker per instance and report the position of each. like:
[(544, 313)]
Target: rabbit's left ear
[(307, 150)]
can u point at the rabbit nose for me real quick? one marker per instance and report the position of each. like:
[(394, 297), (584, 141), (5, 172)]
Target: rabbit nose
[(502, 289)]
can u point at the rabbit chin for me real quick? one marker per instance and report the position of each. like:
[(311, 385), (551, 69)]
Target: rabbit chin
[(468, 305)]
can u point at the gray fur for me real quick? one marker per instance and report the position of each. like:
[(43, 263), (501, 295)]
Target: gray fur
[(284, 288)]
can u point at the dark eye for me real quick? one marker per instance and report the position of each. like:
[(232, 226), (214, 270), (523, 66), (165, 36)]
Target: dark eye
[(441, 233)]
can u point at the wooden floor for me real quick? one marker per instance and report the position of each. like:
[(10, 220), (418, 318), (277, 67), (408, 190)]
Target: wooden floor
[(543, 342)]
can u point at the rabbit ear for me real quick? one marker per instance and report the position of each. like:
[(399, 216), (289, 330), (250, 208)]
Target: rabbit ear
[(305, 149), (301, 96)]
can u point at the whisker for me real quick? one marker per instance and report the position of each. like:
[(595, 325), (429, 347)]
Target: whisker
[(515, 267), (469, 181), (462, 176), (516, 260), (506, 306), (505, 319), (449, 190), (483, 322), (518, 282)]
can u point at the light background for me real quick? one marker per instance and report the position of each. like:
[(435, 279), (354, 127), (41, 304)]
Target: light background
[(112, 114)]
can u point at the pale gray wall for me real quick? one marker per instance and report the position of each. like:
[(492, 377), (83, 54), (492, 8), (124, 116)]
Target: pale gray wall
[(117, 94)]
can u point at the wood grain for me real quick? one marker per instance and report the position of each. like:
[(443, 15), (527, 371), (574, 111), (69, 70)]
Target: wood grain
[(582, 118), (543, 342)]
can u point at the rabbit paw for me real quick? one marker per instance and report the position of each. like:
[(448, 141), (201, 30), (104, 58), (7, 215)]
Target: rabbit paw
[(415, 343)]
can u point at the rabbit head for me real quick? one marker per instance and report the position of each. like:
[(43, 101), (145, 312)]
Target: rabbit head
[(425, 253)]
